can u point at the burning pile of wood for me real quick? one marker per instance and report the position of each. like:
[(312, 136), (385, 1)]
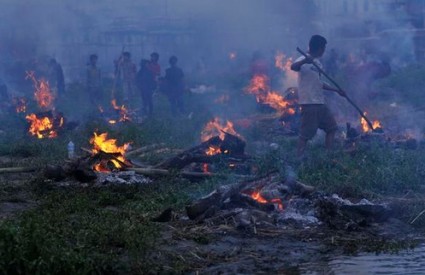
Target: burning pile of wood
[(272, 202), (221, 145), (105, 156), (47, 123)]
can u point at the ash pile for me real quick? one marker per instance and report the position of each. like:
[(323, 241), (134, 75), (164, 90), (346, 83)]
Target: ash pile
[(270, 202)]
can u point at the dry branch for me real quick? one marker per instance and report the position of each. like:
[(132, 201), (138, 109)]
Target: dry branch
[(17, 169)]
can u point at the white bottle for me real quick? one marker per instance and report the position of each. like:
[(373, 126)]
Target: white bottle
[(71, 149)]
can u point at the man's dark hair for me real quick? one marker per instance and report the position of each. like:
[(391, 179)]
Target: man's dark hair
[(126, 54), (93, 57), (316, 43), (173, 60), (155, 55)]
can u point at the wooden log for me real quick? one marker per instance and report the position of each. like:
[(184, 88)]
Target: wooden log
[(144, 149), (6, 170), (231, 146), (218, 197), (181, 160)]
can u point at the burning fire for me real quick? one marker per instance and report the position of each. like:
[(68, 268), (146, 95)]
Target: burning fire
[(365, 126), (216, 128), (213, 150), (43, 127), (122, 111), (284, 64), (20, 104), (232, 55), (257, 197), (260, 88), (101, 143), (42, 93), (258, 85)]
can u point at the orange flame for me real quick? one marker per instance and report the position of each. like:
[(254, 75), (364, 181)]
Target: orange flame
[(216, 128), (284, 64), (259, 84), (122, 111), (365, 126), (260, 88), (43, 127), (42, 93), (257, 197), (213, 150), (232, 55), (101, 143)]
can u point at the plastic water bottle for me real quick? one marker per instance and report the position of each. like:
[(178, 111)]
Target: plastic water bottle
[(71, 149)]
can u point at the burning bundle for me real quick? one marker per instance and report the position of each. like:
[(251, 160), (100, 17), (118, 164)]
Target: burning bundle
[(107, 155), (45, 125), (122, 111), (48, 123), (268, 193), (220, 143), (259, 86)]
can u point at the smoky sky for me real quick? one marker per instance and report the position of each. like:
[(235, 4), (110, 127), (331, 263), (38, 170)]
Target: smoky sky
[(71, 29)]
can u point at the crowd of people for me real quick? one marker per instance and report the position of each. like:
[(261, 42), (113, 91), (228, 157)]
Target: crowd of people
[(142, 83)]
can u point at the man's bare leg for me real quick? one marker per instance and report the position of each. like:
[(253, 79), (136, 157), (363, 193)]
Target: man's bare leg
[(329, 141), (302, 143)]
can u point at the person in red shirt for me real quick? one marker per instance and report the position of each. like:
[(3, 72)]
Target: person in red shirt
[(153, 66)]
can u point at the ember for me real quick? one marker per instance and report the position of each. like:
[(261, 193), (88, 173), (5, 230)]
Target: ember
[(123, 113), (103, 145), (257, 197), (20, 104)]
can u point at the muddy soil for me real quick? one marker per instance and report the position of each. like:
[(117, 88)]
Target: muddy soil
[(223, 249), (15, 195)]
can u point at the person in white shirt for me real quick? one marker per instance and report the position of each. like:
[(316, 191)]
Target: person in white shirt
[(315, 114)]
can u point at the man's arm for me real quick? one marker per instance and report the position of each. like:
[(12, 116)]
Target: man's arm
[(330, 88), (296, 66)]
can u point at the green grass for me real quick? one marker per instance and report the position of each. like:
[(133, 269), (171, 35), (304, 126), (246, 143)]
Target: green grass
[(108, 230)]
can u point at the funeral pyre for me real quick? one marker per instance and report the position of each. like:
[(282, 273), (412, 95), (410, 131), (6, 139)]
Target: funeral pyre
[(221, 146), (273, 201), (105, 163), (47, 123)]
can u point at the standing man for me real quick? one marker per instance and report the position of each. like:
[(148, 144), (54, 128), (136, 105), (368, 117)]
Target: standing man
[(127, 69), (146, 84), (315, 114), (94, 81), (56, 78), (175, 86), (154, 66)]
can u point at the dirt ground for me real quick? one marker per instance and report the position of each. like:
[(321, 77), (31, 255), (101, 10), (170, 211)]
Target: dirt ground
[(226, 250)]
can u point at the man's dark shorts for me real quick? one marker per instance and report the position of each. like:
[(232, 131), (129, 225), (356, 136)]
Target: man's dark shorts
[(316, 116)]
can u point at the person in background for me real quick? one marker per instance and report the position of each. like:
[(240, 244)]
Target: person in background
[(154, 66), (94, 81), (127, 71), (56, 77), (146, 84), (175, 86)]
